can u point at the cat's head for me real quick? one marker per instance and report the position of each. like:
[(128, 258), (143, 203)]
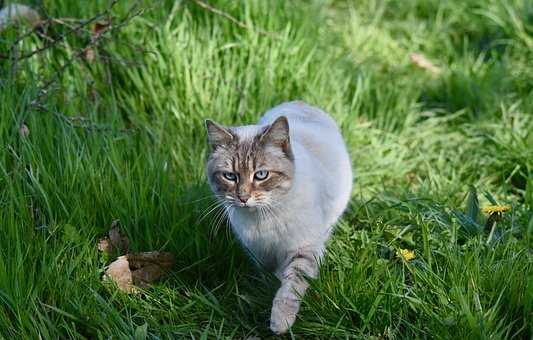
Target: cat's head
[(250, 166)]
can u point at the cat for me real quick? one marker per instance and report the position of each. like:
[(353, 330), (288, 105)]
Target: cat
[(284, 184)]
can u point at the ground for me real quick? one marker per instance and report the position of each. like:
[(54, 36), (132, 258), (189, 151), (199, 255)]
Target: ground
[(107, 124)]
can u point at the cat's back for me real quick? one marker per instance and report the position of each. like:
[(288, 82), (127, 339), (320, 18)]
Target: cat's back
[(314, 130), (316, 138), (300, 114)]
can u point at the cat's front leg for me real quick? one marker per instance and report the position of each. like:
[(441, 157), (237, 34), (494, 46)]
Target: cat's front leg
[(287, 301)]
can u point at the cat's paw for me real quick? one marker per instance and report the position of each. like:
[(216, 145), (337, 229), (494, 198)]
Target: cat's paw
[(283, 315)]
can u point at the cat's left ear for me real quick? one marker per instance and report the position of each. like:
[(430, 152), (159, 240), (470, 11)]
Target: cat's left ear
[(217, 135), (278, 134)]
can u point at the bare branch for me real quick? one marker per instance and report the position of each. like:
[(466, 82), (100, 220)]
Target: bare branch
[(74, 27), (232, 18), (55, 41)]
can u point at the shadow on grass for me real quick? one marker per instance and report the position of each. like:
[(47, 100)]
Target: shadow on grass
[(214, 268)]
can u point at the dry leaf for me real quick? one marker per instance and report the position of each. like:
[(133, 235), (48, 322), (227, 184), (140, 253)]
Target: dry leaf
[(99, 27), (90, 55), (163, 259), (424, 63), (119, 272), (17, 13), (24, 131), (138, 270), (104, 245), (149, 273), (116, 242)]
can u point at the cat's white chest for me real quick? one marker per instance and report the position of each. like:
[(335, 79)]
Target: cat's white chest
[(267, 241)]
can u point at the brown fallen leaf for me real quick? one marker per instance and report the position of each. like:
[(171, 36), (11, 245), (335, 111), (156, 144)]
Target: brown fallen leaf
[(24, 131), (116, 242), (424, 63), (97, 29), (143, 276), (119, 272), (149, 266), (163, 259), (90, 55), (138, 270), (104, 245)]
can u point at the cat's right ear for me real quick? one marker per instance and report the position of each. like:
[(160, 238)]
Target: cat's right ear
[(217, 135)]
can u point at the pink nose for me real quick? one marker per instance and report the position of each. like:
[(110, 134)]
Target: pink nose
[(244, 198)]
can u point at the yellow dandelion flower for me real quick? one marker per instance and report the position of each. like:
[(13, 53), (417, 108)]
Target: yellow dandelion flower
[(493, 209), (407, 254)]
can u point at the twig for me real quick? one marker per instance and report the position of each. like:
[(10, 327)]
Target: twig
[(232, 18), (37, 30), (15, 52), (72, 121), (75, 29), (60, 38), (94, 41)]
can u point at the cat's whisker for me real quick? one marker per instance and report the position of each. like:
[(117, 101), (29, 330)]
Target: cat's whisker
[(219, 218), (210, 209), (231, 211), (211, 205), (225, 216)]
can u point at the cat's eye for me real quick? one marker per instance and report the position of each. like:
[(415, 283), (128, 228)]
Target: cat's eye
[(230, 176), (261, 175)]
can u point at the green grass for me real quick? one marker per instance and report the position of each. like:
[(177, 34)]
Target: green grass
[(428, 151)]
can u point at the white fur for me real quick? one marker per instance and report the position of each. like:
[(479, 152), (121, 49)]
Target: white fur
[(291, 239), (319, 194)]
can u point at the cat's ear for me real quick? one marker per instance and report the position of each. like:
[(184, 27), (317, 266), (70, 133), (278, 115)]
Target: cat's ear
[(217, 135), (278, 134)]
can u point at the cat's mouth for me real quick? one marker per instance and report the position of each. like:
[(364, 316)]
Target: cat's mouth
[(247, 205), (236, 203)]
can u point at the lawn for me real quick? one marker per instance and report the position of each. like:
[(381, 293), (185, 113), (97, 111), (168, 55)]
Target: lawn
[(107, 123)]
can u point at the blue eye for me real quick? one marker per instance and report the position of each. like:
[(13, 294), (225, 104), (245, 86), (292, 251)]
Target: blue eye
[(230, 176), (261, 175)]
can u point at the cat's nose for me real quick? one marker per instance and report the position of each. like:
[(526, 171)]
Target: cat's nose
[(244, 198)]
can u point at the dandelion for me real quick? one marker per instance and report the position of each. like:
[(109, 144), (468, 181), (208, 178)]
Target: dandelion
[(406, 254), (495, 214), (496, 209)]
